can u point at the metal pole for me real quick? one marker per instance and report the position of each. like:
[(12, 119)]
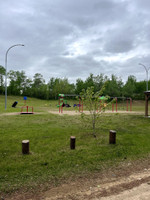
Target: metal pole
[(146, 69), (6, 72)]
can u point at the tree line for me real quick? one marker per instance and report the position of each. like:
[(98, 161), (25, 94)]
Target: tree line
[(20, 84)]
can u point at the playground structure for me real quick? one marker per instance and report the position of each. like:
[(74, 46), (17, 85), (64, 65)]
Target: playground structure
[(127, 103), (27, 110), (114, 105), (63, 103)]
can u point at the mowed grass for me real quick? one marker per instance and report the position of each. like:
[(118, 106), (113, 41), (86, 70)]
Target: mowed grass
[(47, 105), (50, 157), (38, 105)]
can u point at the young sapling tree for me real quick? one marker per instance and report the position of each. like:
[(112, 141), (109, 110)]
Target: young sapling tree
[(95, 105)]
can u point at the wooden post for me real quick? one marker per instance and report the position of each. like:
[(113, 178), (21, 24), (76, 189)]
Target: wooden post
[(112, 137), (146, 105), (25, 146), (72, 142)]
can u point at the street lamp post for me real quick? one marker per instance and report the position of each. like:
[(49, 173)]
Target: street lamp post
[(6, 72), (146, 69)]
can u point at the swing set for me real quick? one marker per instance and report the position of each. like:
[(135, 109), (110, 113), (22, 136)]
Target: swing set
[(126, 104)]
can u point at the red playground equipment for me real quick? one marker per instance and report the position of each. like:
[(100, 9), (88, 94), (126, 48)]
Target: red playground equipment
[(117, 102), (63, 103), (128, 103), (27, 108)]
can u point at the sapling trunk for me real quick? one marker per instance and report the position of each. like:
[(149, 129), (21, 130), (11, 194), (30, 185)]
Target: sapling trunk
[(94, 121)]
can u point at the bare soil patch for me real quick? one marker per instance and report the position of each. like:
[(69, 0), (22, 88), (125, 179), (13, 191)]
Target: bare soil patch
[(129, 179), (87, 112), (73, 112)]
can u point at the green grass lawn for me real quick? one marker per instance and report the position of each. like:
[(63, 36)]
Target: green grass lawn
[(50, 156), (45, 105)]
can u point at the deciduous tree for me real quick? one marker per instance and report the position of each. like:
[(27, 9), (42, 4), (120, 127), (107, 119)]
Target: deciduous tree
[(2, 73), (92, 103)]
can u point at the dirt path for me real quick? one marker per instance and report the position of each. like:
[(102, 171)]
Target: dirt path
[(87, 112), (135, 186), (126, 181), (72, 113), (138, 193)]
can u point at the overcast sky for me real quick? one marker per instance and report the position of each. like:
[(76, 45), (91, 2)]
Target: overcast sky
[(73, 38)]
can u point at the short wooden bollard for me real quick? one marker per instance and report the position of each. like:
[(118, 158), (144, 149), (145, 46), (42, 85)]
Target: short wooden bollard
[(72, 142), (25, 146), (112, 137)]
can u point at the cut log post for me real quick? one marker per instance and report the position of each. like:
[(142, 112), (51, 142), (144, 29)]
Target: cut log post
[(25, 146), (72, 142), (112, 137)]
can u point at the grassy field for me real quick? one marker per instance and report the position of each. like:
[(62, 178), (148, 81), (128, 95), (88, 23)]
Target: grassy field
[(50, 157), (45, 105)]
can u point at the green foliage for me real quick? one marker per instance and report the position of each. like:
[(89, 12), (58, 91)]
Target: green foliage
[(140, 87), (39, 88), (114, 87), (17, 82), (79, 86), (99, 81), (89, 82), (2, 73), (2, 70), (92, 103), (38, 80), (20, 84), (57, 86), (130, 87)]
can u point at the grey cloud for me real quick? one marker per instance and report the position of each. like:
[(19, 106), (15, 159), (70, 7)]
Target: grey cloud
[(119, 44), (103, 30)]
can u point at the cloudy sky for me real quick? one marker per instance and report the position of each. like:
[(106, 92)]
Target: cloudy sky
[(73, 38)]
